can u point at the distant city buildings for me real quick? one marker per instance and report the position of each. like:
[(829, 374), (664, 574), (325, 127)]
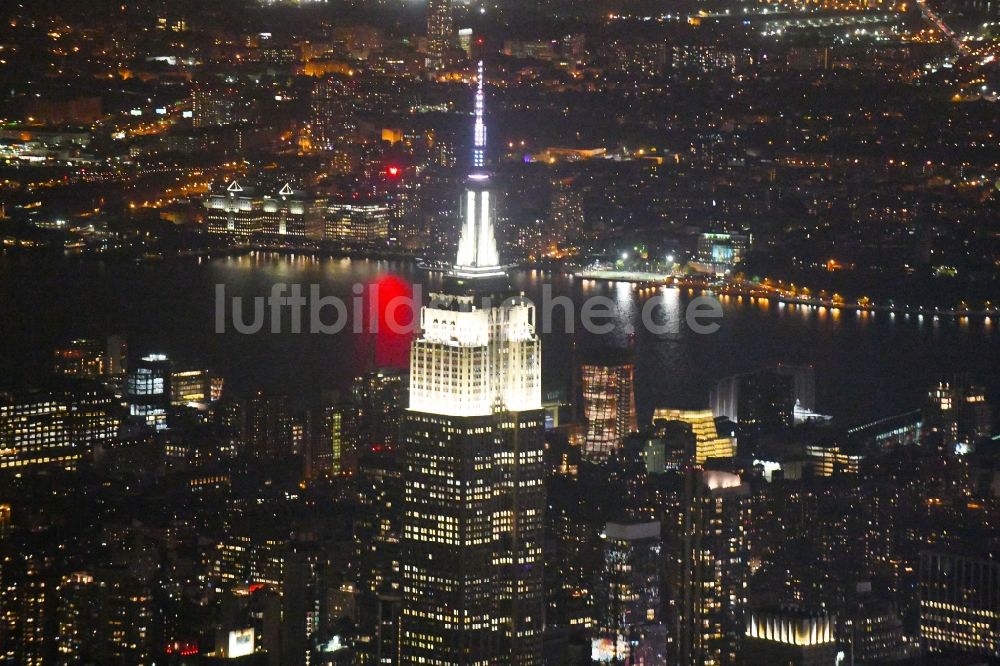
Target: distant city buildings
[(80, 358), (337, 445), (380, 396), (463, 511), (245, 213), (214, 103)]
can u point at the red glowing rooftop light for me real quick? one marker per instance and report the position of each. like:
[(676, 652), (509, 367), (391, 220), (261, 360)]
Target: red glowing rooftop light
[(183, 649), (393, 171)]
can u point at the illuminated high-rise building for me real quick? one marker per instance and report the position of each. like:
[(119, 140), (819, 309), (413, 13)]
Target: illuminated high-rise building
[(55, 426), (708, 444), (959, 604), (710, 592), (440, 26), (214, 103), (630, 628), (608, 405), (147, 389), (199, 387), (958, 414), (473, 460), (357, 223), (332, 123), (338, 438)]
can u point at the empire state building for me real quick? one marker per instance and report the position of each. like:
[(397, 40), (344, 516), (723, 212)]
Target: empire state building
[(472, 446)]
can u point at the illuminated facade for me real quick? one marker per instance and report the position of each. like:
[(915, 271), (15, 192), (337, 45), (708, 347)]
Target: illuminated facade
[(629, 599), (714, 568), (708, 444), (440, 26), (718, 253), (473, 463), (199, 387), (241, 212), (147, 389), (338, 439), (831, 458), (789, 636), (608, 407), (958, 414), (960, 604), (357, 223), (57, 426)]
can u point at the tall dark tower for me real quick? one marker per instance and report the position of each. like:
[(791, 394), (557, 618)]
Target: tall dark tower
[(474, 496)]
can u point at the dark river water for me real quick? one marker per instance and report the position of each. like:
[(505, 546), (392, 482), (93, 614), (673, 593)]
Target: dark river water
[(866, 365)]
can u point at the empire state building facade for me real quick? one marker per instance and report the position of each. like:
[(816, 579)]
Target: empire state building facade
[(473, 444)]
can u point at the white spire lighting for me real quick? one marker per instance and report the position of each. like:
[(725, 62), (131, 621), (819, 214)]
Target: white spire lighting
[(479, 149), (477, 247)]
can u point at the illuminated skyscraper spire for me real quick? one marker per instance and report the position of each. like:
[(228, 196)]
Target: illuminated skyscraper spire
[(477, 247), (471, 554), (479, 150)]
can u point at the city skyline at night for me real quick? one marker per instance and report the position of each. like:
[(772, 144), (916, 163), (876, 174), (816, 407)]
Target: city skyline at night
[(551, 333)]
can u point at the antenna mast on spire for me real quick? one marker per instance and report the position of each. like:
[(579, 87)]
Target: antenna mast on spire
[(479, 151)]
